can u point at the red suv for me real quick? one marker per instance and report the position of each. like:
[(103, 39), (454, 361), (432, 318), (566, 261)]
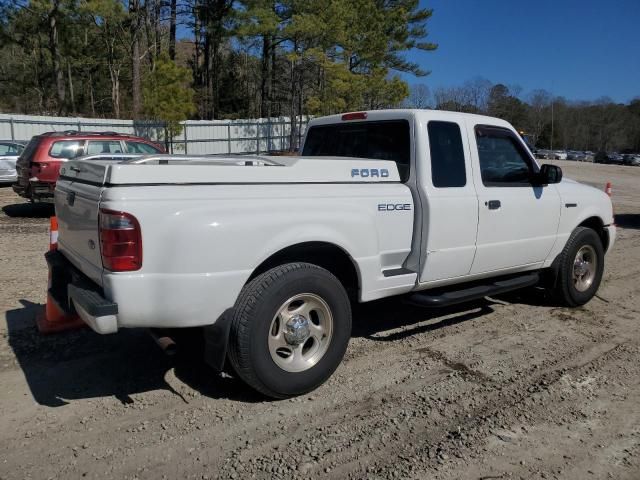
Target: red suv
[(39, 164)]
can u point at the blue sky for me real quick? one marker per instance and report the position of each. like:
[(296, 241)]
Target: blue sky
[(581, 50)]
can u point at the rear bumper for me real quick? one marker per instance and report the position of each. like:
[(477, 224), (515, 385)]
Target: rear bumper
[(139, 300), (34, 190), (19, 189), (75, 293), (42, 189)]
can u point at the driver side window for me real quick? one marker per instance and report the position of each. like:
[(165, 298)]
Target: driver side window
[(503, 161)]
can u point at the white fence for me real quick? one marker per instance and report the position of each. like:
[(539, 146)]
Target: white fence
[(197, 137)]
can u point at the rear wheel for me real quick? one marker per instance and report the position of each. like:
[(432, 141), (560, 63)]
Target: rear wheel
[(580, 268), (290, 329)]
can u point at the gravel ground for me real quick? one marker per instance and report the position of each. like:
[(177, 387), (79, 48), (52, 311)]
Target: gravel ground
[(511, 387)]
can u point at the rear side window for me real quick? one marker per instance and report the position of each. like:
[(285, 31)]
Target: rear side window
[(96, 147), (66, 149), (139, 147), (387, 140), (30, 149), (447, 155)]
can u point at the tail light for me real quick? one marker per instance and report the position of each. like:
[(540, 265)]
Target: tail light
[(37, 167), (120, 241)]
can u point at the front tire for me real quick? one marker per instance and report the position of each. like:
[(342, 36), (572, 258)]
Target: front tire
[(579, 268), (290, 329)]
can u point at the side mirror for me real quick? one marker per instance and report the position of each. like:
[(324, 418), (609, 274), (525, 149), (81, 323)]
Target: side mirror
[(549, 174)]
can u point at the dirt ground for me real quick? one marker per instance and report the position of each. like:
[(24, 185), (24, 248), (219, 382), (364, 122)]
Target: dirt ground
[(505, 388)]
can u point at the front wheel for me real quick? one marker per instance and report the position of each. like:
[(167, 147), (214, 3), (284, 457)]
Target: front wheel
[(290, 329), (580, 267)]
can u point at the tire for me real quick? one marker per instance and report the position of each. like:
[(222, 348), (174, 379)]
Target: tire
[(272, 316), (575, 290)]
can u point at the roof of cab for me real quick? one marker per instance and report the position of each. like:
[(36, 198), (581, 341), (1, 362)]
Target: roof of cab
[(420, 114)]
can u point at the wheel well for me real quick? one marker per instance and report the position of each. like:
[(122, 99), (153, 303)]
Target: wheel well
[(322, 254), (596, 224)]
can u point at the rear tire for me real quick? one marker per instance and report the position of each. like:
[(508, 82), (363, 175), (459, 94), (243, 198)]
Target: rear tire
[(579, 268), (290, 329)]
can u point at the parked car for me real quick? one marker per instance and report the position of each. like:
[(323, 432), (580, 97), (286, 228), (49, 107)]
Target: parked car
[(576, 155), (10, 150), (268, 254), (632, 159), (601, 157), (560, 154), (542, 154), (39, 164), (572, 155), (616, 158)]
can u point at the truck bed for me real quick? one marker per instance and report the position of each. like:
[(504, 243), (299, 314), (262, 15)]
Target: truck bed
[(177, 169)]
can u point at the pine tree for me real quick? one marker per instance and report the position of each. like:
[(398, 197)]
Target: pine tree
[(167, 95)]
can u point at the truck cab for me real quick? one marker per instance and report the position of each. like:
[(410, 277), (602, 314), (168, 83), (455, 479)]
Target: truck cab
[(483, 205)]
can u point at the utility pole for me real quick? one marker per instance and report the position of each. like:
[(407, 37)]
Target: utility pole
[(553, 100)]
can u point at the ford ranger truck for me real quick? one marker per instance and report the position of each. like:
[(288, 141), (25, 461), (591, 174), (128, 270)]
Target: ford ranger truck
[(268, 254)]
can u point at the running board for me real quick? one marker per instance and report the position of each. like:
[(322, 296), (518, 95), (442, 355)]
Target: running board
[(444, 297)]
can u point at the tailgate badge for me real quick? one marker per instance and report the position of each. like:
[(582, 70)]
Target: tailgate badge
[(71, 198), (92, 245)]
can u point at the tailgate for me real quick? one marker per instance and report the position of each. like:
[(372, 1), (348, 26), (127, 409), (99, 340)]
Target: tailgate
[(77, 200)]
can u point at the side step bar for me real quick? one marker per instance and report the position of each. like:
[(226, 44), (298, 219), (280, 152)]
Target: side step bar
[(444, 297)]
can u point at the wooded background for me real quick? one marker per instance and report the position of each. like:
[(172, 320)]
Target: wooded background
[(172, 60)]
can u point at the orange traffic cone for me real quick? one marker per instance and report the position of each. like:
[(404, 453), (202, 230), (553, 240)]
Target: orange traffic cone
[(52, 319), (53, 233), (607, 189)]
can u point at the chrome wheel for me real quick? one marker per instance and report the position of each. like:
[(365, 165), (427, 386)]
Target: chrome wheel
[(584, 268), (300, 332)]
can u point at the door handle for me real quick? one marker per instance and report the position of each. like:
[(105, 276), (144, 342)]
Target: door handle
[(493, 204)]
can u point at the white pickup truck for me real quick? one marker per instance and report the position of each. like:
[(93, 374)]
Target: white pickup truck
[(268, 253)]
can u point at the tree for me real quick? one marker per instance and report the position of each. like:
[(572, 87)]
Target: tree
[(538, 113), (53, 15), (633, 127), (503, 104), (247, 57), (419, 96), (173, 19), (214, 18), (109, 17), (456, 99), (477, 93), (168, 96), (135, 23), (263, 20)]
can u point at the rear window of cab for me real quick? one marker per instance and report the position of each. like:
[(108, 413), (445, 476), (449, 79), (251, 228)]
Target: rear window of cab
[(380, 140)]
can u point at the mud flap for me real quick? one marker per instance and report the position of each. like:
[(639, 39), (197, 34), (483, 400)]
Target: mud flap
[(216, 340)]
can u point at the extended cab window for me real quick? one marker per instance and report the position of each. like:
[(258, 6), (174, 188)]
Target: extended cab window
[(66, 149), (447, 155), (503, 159), (384, 140)]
